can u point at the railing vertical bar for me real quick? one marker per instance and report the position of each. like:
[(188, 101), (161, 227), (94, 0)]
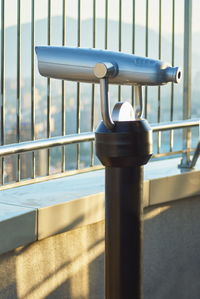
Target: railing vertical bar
[(93, 85), (106, 24), (146, 53), (120, 26), (187, 74), (159, 90), (49, 89), (33, 82), (18, 83), (78, 86), (63, 86), (2, 84), (133, 43), (172, 85), (120, 41)]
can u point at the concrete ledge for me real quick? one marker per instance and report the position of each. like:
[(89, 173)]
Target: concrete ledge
[(37, 211), (174, 187), (64, 217), (18, 226)]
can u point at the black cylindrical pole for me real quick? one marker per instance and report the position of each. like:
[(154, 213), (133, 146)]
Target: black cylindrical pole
[(123, 150), (123, 232)]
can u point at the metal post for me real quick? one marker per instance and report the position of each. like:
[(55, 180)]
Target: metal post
[(187, 83), (123, 150), (124, 232)]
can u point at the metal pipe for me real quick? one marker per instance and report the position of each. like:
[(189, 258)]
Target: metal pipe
[(172, 85), (133, 43), (103, 71), (187, 80), (123, 232), (120, 42), (93, 86), (78, 98), (159, 90), (195, 156), (187, 83), (18, 85), (105, 104), (138, 102), (146, 54), (106, 24), (180, 124), (63, 89), (49, 89), (27, 146), (2, 87), (33, 81), (22, 147)]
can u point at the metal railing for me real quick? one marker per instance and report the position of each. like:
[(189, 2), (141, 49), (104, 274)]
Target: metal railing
[(50, 129), (28, 146)]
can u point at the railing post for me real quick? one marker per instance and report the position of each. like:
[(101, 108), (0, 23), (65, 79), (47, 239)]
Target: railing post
[(187, 83)]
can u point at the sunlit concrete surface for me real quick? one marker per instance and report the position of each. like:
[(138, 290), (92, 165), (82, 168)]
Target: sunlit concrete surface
[(70, 265), (171, 250)]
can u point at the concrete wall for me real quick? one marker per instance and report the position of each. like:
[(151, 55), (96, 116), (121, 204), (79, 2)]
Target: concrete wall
[(172, 250), (71, 265)]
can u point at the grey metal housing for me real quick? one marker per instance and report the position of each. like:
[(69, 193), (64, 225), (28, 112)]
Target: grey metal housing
[(77, 64)]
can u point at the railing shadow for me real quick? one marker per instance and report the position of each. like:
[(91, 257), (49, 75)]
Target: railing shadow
[(171, 250), (8, 287)]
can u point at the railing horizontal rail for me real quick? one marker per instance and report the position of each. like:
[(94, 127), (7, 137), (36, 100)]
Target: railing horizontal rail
[(175, 125), (173, 153), (27, 146)]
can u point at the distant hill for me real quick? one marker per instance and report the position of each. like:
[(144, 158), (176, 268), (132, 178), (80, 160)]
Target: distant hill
[(86, 41)]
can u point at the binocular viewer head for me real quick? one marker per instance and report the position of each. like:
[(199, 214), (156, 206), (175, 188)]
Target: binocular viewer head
[(90, 65), (107, 67)]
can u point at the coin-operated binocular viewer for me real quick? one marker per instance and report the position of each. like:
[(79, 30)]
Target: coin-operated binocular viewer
[(123, 145)]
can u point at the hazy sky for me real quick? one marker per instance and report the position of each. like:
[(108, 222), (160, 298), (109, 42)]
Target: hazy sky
[(86, 11)]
